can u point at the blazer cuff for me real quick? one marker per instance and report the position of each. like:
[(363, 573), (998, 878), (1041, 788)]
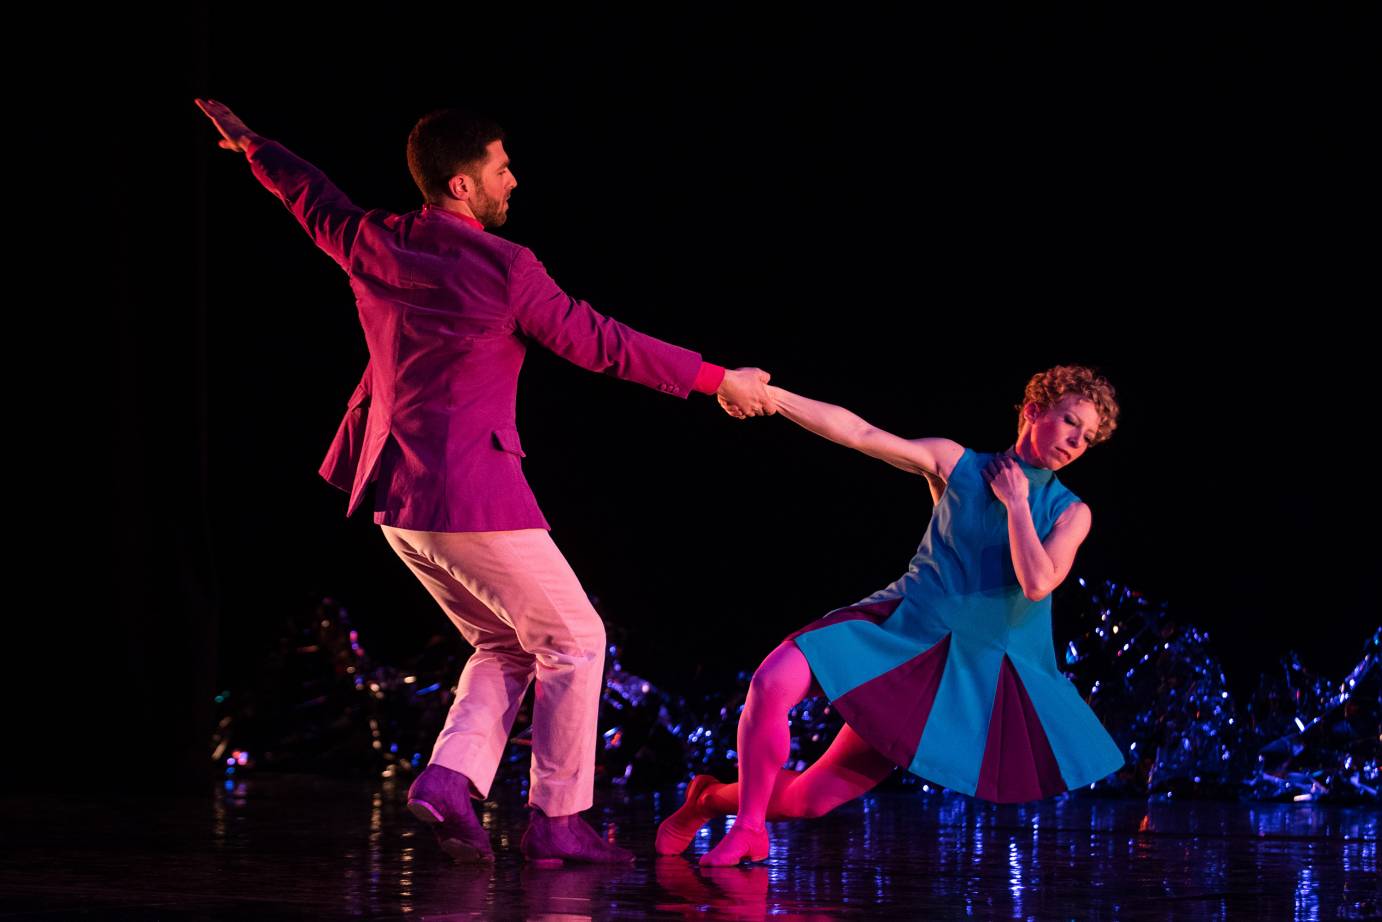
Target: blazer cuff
[(254, 144), (708, 378)]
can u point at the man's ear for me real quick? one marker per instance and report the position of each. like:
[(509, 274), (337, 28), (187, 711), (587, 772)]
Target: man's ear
[(461, 186)]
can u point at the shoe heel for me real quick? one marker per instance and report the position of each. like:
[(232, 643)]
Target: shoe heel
[(425, 812)]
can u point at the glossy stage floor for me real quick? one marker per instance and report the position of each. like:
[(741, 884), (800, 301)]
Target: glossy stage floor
[(271, 847)]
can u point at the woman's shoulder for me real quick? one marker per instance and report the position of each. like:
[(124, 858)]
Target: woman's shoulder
[(946, 453), (1065, 502)]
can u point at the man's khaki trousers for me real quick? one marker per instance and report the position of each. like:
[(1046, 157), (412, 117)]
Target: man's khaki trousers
[(516, 600)]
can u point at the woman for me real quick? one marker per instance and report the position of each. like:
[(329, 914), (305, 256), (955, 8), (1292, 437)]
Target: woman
[(949, 672)]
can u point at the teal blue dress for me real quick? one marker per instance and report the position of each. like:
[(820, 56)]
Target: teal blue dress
[(951, 670)]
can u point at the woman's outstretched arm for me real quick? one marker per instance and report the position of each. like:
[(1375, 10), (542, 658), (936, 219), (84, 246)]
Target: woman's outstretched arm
[(935, 456)]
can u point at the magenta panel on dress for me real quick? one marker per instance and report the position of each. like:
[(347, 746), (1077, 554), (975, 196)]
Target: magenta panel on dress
[(1018, 762), (877, 612), (890, 711)]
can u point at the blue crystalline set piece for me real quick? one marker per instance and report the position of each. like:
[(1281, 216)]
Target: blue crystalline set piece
[(321, 703)]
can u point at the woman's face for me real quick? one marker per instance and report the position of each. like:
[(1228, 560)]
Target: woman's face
[(1063, 431)]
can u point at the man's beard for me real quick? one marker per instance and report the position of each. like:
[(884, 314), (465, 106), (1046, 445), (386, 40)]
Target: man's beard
[(488, 211)]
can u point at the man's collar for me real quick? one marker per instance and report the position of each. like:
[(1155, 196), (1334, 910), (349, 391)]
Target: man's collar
[(429, 208)]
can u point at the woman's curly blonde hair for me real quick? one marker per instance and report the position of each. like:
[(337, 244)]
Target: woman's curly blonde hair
[(1049, 386)]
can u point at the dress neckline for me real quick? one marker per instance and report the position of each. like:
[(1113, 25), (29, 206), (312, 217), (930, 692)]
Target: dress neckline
[(1038, 475)]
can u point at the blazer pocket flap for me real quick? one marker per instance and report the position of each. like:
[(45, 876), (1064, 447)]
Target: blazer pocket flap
[(360, 396), (507, 440)]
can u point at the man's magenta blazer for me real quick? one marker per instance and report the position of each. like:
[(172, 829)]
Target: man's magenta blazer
[(448, 312)]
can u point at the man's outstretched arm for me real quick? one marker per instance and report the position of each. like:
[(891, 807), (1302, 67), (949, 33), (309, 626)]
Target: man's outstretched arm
[(323, 210), (580, 334)]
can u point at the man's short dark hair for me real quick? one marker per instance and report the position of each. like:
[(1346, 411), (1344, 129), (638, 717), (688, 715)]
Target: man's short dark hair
[(446, 142)]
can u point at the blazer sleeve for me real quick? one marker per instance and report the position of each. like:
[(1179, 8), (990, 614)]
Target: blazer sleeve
[(581, 335), (329, 217)]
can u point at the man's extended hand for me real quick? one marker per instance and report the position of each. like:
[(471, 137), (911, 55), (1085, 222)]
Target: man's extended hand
[(234, 134), (744, 393)]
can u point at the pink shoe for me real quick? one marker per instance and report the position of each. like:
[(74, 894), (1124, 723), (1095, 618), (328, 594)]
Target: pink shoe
[(741, 843), (676, 832)]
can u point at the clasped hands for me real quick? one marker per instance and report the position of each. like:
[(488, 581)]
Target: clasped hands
[(744, 393)]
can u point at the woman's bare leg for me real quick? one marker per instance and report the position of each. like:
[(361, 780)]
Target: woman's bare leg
[(849, 768), (780, 682), (706, 799), (723, 799)]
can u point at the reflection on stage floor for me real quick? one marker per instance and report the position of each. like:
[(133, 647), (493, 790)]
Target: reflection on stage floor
[(268, 847)]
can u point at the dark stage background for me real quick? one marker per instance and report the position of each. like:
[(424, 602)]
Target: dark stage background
[(907, 217)]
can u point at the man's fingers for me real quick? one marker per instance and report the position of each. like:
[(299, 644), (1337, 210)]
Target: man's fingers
[(230, 127)]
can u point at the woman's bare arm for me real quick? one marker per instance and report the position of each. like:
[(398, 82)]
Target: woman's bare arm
[(933, 456), (1040, 566)]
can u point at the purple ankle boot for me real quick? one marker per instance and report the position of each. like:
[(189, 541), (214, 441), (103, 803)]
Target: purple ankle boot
[(440, 798), (546, 840)]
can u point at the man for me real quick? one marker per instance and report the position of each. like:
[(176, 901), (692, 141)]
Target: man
[(448, 311)]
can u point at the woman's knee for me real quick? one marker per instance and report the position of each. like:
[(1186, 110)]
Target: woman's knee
[(784, 677)]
